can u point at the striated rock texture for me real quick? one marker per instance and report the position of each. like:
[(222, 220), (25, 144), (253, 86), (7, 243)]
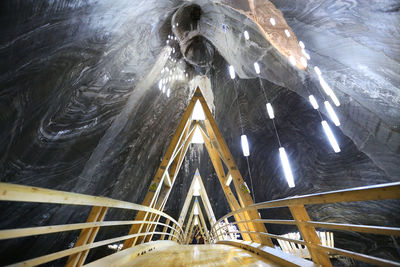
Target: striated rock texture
[(80, 108)]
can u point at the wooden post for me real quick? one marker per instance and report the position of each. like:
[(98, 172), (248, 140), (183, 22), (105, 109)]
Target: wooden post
[(165, 229), (242, 191), (87, 236), (309, 235)]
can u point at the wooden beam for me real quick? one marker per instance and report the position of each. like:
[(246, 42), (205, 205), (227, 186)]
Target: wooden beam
[(309, 235), (87, 236), (232, 201), (164, 164), (241, 188)]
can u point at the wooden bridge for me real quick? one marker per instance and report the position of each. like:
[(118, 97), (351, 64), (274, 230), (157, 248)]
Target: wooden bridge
[(237, 239)]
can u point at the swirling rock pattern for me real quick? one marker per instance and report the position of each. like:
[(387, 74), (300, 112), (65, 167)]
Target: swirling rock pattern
[(80, 109)]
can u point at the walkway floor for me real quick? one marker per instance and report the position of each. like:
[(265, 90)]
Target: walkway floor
[(200, 255)]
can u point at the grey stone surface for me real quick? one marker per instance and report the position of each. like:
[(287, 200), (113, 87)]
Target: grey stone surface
[(80, 109)]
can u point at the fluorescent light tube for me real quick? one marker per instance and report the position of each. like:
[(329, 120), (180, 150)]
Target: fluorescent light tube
[(257, 67), (246, 35), (245, 145), (292, 60), (317, 70), (232, 72), (286, 167), (332, 113), (270, 111), (313, 101), (331, 137)]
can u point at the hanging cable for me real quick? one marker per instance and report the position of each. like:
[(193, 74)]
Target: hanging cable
[(245, 153)]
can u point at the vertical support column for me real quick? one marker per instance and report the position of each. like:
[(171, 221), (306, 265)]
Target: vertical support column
[(165, 229), (309, 235), (87, 236)]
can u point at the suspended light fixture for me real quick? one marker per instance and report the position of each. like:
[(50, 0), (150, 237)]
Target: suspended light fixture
[(302, 45), (168, 92), (332, 113), (257, 67), (245, 145), (331, 137), (317, 70), (232, 72), (335, 100), (313, 101), (270, 111), (160, 84), (286, 167), (292, 60), (306, 54), (287, 33), (272, 21), (198, 113), (246, 35), (163, 89)]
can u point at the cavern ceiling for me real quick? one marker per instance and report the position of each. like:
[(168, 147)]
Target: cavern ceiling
[(81, 109)]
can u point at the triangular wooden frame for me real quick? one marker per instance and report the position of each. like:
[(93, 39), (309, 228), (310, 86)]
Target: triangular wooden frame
[(161, 186)]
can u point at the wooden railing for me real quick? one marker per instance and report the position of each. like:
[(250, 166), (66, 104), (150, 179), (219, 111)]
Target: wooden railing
[(319, 253), (89, 229)]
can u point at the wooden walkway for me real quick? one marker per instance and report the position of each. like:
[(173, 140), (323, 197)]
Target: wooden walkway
[(186, 255)]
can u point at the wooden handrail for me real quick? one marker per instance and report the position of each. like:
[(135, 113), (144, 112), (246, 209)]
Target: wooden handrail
[(42, 230), (67, 252), (307, 227), (365, 193), (343, 252), (370, 229), (21, 193)]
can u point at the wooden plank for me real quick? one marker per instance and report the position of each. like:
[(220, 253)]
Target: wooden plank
[(232, 201), (244, 196), (357, 256), (277, 256), (379, 230), (67, 252), (164, 164), (309, 235), (87, 236), (374, 192), (165, 229), (41, 230), (13, 192)]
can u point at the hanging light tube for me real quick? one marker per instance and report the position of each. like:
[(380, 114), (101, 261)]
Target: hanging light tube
[(292, 60), (335, 100), (257, 67), (270, 111), (317, 70), (313, 101), (232, 72), (245, 145), (330, 136), (168, 92), (302, 45), (332, 113), (246, 35), (287, 33), (286, 167)]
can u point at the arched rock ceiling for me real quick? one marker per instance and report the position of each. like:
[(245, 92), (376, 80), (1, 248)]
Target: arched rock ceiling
[(80, 109)]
